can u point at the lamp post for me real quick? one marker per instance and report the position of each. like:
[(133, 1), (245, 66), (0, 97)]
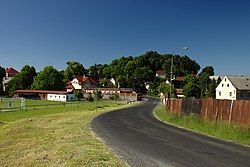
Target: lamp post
[(172, 62)]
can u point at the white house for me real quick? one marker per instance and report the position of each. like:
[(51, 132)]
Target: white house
[(10, 73), (61, 97), (81, 82), (234, 88)]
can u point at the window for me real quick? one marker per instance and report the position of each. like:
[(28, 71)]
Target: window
[(219, 93), (222, 85), (227, 85), (230, 93), (59, 96), (225, 79)]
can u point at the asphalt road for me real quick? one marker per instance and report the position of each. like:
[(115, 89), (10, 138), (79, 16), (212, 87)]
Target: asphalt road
[(141, 140)]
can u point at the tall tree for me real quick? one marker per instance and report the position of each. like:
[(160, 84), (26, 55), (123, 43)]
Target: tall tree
[(2, 74), (212, 89), (209, 70), (74, 68), (203, 84), (49, 79), (26, 76), (191, 87)]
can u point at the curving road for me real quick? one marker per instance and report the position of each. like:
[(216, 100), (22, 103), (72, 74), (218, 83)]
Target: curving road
[(141, 140)]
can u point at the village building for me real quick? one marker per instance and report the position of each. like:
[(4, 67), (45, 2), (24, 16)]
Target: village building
[(50, 95), (234, 88), (81, 82), (10, 73), (126, 94), (160, 73)]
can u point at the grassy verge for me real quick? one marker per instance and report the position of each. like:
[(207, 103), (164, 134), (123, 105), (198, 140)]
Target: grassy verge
[(221, 130), (55, 137)]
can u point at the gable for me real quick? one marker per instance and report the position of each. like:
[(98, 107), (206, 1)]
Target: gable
[(225, 84)]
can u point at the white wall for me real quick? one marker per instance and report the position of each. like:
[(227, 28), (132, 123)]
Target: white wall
[(76, 84), (224, 88), (57, 97), (61, 97)]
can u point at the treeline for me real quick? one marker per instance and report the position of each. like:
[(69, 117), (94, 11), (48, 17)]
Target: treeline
[(134, 72)]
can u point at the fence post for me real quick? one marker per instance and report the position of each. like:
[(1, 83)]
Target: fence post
[(230, 113)]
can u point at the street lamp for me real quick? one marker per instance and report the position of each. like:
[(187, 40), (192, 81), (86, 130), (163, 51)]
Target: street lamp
[(172, 61)]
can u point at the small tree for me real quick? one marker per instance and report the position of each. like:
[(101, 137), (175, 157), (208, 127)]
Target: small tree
[(79, 95), (165, 89), (191, 90), (114, 97), (98, 95), (90, 98), (211, 89)]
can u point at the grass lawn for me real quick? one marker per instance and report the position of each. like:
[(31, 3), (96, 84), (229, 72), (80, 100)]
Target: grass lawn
[(59, 136), (221, 130)]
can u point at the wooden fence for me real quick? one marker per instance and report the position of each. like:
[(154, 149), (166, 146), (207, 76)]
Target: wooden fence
[(232, 111)]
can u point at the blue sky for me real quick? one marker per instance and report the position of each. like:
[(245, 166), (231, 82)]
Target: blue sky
[(51, 32)]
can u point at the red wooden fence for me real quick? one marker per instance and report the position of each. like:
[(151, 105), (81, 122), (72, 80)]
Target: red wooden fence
[(232, 111)]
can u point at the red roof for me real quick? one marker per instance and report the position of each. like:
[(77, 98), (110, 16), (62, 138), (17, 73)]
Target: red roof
[(84, 79), (180, 78), (11, 70), (160, 72), (69, 86), (40, 91)]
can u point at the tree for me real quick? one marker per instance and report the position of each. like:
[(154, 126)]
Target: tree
[(212, 89), (26, 76), (90, 98), (191, 87), (2, 74), (98, 95), (23, 80), (49, 79), (74, 69), (79, 95), (191, 90), (165, 89), (209, 70), (203, 84)]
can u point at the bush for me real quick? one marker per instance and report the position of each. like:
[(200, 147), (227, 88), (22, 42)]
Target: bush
[(79, 95), (114, 97), (90, 98)]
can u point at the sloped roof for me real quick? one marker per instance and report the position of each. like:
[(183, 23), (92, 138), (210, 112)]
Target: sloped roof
[(160, 72), (70, 86), (84, 79), (214, 77), (40, 91), (11, 70), (240, 83)]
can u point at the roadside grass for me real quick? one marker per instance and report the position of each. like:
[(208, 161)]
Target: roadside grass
[(59, 136), (221, 130)]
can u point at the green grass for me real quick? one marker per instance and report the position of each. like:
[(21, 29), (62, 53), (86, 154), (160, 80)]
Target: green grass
[(58, 136), (221, 130)]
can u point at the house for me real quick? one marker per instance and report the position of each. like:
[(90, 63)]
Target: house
[(160, 73), (10, 73), (51, 95), (107, 83), (234, 88), (81, 82), (178, 84), (124, 93)]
